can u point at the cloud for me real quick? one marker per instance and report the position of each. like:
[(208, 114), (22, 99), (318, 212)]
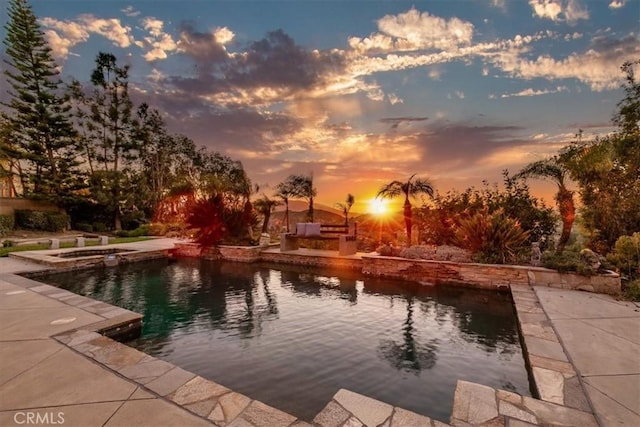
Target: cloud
[(534, 92), (413, 30), (559, 10), (273, 69), (500, 4), (597, 67), (396, 122), (112, 29), (63, 35), (617, 4), (130, 11), (159, 42)]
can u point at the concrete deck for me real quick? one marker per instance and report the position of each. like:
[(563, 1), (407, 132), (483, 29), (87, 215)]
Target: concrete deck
[(55, 369)]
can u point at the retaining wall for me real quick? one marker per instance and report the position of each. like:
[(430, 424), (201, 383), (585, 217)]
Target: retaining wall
[(485, 276), (8, 205), (428, 272)]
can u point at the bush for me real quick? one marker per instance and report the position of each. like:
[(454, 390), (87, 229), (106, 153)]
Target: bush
[(157, 229), (83, 226), (138, 232), (56, 221), (39, 220), (573, 260), (99, 227), (632, 290), (492, 237), (626, 255), (30, 220), (436, 253), (7, 222), (132, 220)]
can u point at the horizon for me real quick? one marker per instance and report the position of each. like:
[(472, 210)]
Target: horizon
[(360, 96)]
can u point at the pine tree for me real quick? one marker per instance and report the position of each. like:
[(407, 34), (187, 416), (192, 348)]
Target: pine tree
[(103, 114), (38, 118)]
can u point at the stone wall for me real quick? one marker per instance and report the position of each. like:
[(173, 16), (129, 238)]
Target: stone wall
[(240, 253), (8, 205), (602, 283), (485, 276), (315, 261)]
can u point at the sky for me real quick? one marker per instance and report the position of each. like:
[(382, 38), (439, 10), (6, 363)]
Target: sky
[(360, 93)]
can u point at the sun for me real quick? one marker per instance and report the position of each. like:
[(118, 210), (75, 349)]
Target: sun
[(378, 207)]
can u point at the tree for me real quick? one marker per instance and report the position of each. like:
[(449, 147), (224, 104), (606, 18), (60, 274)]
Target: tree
[(298, 186), (346, 207), (554, 170), (10, 156), (160, 156), (607, 171), (628, 116), (439, 222), (284, 191), (105, 119), (39, 118), (265, 206), (410, 189)]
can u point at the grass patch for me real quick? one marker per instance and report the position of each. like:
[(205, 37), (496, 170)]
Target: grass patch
[(5, 251)]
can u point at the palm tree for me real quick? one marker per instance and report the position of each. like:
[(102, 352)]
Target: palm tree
[(552, 169), (300, 187), (283, 190), (265, 206), (346, 207), (410, 188)]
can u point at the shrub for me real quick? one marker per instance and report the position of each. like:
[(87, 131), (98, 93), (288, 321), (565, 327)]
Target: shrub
[(7, 222), (39, 220), (492, 237), (437, 253), (56, 221), (30, 220), (158, 229), (632, 290), (133, 220), (573, 259), (626, 255), (99, 227), (143, 230), (83, 226)]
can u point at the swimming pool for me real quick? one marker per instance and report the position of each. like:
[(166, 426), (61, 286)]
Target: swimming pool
[(291, 337)]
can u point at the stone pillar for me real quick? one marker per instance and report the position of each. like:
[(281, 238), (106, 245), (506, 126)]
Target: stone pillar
[(347, 245), (54, 244), (103, 240), (288, 244), (79, 242)]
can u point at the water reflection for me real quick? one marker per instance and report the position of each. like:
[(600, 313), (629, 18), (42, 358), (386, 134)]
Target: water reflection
[(409, 355), (293, 336)]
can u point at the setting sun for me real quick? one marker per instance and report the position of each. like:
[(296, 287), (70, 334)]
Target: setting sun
[(378, 207)]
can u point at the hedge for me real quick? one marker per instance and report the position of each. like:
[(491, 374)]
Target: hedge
[(7, 222), (40, 220)]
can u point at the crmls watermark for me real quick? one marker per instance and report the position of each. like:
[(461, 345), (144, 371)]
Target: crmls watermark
[(35, 417)]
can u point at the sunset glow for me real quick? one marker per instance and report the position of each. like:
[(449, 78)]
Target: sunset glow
[(378, 207)]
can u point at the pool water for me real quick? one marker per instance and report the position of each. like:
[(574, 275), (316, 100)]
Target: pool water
[(292, 337)]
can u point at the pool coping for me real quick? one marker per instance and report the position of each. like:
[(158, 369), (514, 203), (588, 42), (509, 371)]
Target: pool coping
[(556, 381)]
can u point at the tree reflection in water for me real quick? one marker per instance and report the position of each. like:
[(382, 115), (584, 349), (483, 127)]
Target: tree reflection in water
[(409, 355)]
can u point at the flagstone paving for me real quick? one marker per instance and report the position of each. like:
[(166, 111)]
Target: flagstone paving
[(582, 349)]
